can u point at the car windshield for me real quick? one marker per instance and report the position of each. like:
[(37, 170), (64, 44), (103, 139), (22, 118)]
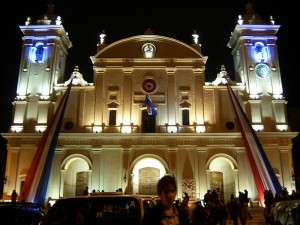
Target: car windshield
[(23, 214), (92, 211)]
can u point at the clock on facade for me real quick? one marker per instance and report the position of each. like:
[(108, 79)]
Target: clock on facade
[(148, 49), (262, 70)]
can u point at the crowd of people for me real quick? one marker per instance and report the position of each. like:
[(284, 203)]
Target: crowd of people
[(211, 211), (270, 201), (215, 211)]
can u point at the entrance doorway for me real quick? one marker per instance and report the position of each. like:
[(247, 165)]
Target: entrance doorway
[(148, 178), (76, 176), (146, 173), (222, 176)]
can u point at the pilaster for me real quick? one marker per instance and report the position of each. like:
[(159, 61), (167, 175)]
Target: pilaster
[(171, 96)]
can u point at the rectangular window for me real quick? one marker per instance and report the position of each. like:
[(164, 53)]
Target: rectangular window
[(112, 117), (185, 117)]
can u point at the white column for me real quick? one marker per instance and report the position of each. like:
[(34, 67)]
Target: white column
[(236, 182), (127, 97), (90, 180), (202, 180), (208, 179), (62, 183), (171, 97), (285, 168), (95, 176)]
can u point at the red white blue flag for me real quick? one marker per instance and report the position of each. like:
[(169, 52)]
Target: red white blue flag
[(150, 107), (36, 182), (263, 173)]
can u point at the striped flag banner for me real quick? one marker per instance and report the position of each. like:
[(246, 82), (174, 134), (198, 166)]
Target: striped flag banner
[(36, 182), (150, 107), (263, 173)]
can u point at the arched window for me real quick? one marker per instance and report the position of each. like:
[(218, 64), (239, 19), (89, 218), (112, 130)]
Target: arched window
[(260, 52), (185, 112), (38, 53), (112, 121)]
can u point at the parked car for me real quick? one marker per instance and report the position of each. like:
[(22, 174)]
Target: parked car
[(104, 208), (286, 213), (20, 213)]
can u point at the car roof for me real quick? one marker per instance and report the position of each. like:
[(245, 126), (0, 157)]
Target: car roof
[(110, 195), (21, 204), (291, 203)]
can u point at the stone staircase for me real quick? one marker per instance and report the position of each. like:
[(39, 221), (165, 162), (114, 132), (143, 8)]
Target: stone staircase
[(258, 217)]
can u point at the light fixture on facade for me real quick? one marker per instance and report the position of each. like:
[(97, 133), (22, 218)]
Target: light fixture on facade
[(44, 97), (200, 129), (102, 37), (254, 96), (40, 128), (278, 96), (240, 20), (172, 129), (126, 129), (258, 127), (25, 68), (282, 127), (251, 67), (58, 21), (21, 97), (28, 21), (16, 128), (195, 37), (97, 129), (125, 178)]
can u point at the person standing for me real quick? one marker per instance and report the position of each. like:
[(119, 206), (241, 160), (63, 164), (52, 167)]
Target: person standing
[(220, 194), (86, 191), (268, 213), (199, 215), (185, 203), (233, 209), (207, 197), (243, 212), (166, 211), (14, 196), (223, 213)]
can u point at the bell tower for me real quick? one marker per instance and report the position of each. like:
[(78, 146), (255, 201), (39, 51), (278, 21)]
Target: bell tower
[(42, 66), (256, 65)]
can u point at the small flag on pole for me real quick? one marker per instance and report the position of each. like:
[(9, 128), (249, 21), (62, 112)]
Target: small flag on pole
[(150, 107)]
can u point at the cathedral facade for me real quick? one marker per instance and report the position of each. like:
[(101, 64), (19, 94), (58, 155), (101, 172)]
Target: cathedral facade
[(109, 141)]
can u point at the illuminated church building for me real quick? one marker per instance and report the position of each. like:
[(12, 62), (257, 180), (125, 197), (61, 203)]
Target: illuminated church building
[(107, 139)]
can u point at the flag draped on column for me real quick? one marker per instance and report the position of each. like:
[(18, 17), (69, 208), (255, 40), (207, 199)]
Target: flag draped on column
[(36, 182), (264, 175)]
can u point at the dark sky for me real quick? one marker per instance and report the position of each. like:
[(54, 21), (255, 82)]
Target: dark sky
[(213, 20)]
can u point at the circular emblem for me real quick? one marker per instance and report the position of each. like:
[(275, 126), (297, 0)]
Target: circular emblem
[(262, 70), (149, 86), (148, 49)]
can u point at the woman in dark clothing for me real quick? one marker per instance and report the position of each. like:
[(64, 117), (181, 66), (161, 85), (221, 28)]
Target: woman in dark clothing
[(233, 209), (166, 211)]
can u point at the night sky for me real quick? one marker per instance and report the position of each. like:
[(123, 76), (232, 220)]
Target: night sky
[(213, 20)]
